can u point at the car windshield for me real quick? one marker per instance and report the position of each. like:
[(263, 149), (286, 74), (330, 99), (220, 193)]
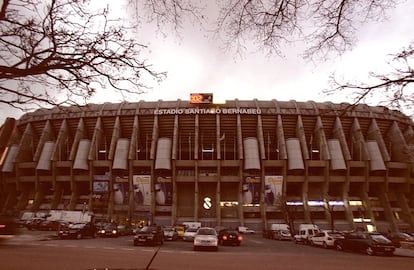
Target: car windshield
[(206, 232), (380, 238)]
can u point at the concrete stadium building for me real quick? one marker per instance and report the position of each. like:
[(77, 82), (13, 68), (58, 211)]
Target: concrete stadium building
[(248, 163)]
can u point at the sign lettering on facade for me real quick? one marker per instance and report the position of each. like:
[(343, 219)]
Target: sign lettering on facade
[(208, 111)]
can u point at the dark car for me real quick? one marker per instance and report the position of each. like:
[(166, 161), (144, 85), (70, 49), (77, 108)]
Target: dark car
[(49, 225), (230, 237), (8, 227), (77, 231), (398, 237), (369, 242), (34, 223), (149, 235), (124, 230), (108, 230)]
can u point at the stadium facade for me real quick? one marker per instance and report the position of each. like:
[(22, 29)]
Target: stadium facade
[(248, 163)]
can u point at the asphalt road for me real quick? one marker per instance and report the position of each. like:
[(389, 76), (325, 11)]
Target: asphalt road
[(39, 250)]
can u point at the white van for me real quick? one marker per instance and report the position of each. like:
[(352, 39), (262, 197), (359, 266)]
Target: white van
[(306, 231), (192, 225), (243, 229), (280, 231)]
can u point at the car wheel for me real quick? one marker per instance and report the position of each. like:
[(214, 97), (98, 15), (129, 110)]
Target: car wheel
[(370, 251), (324, 245), (339, 247)]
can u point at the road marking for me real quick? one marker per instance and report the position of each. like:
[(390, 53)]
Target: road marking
[(128, 249)]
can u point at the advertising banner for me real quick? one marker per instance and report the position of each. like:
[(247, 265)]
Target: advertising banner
[(251, 190), (100, 184), (273, 190), (163, 190), (142, 189), (121, 190)]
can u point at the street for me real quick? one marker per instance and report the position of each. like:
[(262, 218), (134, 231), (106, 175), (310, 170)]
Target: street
[(40, 250)]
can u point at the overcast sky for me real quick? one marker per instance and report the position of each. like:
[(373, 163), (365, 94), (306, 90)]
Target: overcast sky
[(196, 64)]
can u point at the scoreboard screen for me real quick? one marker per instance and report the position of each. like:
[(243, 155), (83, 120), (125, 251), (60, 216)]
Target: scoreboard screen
[(201, 98)]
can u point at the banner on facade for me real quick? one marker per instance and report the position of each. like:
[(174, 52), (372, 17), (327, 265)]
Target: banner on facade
[(142, 189), (100, 183), (251, 190), (273, 190), (121, 190), (163, 190)]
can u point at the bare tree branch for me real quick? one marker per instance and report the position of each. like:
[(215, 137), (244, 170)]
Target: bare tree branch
[(395, 87), (268, 23), (168, 14), (52, 54), (335, 23)]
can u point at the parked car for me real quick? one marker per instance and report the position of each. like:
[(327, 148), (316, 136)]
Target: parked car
[(206, 237), (170, 234), (243, 229), (192, 224), (326, 238), (34, 223), (149, 235), (306, 231), (230, 237), (189, 234), (77, 231), (369, 242), (398, 237), (278, 231), (180, 230), (108, 230), (124, 230), (49, 225)]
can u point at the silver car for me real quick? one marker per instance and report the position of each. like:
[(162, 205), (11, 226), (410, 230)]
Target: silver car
[(206, 237)]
